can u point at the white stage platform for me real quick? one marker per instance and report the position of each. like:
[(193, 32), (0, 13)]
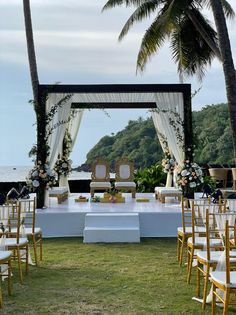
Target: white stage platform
[(68, 218)]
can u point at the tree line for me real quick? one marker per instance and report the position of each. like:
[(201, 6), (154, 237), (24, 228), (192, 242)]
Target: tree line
[(138, 140)]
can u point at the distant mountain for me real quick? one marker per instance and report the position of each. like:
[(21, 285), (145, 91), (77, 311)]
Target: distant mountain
[(138, 140)]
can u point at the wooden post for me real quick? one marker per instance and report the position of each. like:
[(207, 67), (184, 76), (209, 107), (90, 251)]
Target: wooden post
[(188, 126)]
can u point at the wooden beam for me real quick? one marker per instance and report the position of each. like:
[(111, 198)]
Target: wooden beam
[(114, 105)]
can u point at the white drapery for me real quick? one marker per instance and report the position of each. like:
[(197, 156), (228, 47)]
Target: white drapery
[(171, 115), (62, 114), (170, 111), (73, 129)]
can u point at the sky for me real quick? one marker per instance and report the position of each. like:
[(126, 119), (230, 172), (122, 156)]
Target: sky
[(78, 44)]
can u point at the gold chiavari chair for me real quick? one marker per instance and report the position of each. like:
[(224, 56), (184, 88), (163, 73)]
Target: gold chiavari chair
[(224, 280), (185, 231), (33, 233), (5, 256), (196, 242), (14, 241), (208, 258)]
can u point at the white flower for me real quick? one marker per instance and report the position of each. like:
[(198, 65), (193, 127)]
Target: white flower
[(64, 165), (167, 166), (35, 183), (35, 174), (192, 184), (185, 173)]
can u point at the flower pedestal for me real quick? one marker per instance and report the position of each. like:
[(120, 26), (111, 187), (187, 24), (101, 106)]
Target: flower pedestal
[(46, 198), (169, 179)]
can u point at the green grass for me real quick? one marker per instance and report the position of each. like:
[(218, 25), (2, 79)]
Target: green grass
[(76, 278)]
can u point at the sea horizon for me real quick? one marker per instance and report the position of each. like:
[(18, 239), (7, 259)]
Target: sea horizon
[(18, 173)]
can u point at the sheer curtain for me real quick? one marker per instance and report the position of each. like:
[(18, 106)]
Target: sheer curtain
[(168, 120), (170, 109), (73, 128), (56, 136)]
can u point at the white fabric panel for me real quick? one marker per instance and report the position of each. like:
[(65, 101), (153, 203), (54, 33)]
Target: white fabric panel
[(100, 171), (171, 102), (62, 114), (74, 124), (124, 171), (125, 184), (100, 184), (114, 97)]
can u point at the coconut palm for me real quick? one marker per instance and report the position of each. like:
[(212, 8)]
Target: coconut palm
[(193, 41), (227, 63), (39, 108)]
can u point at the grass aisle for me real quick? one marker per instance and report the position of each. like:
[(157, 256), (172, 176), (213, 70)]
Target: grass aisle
[(76, 278)]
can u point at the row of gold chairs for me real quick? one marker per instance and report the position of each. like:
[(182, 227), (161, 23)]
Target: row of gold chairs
[(18, 233), (204, 236)]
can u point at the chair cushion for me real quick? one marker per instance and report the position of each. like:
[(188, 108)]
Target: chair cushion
[(13, 241), (125, 184), (28, 230), (157, 189), (100, 185), (5, 254), (220, 277), (170, 190), (201, 241), (58, 190), (188, 229), (215, 255)]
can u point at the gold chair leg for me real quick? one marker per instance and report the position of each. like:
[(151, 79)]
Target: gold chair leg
[(198, 278), (27, 259), (178, 248), (182, 250), (206, 279), (19, 265), (41, 246), (9, 280), (190, 265), (226, 303), (213, 302), (35, 250)]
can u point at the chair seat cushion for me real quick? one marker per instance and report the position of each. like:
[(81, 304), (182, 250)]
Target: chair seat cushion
[(188, 229), (125, 184), (5, 254), (100, 185), (170, 190), (58, 190), (13, 241), (220, 277), (214, 255), (201, 241), (28, 230)]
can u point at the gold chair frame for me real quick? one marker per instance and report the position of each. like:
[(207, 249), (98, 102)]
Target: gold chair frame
[(105, 179), (118, 177)]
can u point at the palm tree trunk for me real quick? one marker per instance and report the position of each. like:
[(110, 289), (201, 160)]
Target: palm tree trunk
[(40, 115), (30, 48), (228, 64)]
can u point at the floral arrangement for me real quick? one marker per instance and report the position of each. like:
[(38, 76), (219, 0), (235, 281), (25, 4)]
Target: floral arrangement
[(41, 174), (189, 177), (63, 166), (168, 162)]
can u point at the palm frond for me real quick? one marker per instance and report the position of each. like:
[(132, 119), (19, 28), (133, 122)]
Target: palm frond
[(115, 3), (228, 10), (142, 12)]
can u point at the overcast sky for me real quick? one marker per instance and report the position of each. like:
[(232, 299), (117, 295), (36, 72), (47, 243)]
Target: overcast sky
[(76, 43)]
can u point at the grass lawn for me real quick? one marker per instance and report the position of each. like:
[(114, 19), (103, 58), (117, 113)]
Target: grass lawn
[(76, 278)]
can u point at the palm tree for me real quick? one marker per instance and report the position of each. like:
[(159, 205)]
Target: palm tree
[(39, 108), (193, 41), (227, 63)]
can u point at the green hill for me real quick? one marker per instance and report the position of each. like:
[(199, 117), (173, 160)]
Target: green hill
[(138, 140)]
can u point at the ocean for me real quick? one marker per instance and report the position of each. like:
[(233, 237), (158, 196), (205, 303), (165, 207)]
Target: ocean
[(19, 173)]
